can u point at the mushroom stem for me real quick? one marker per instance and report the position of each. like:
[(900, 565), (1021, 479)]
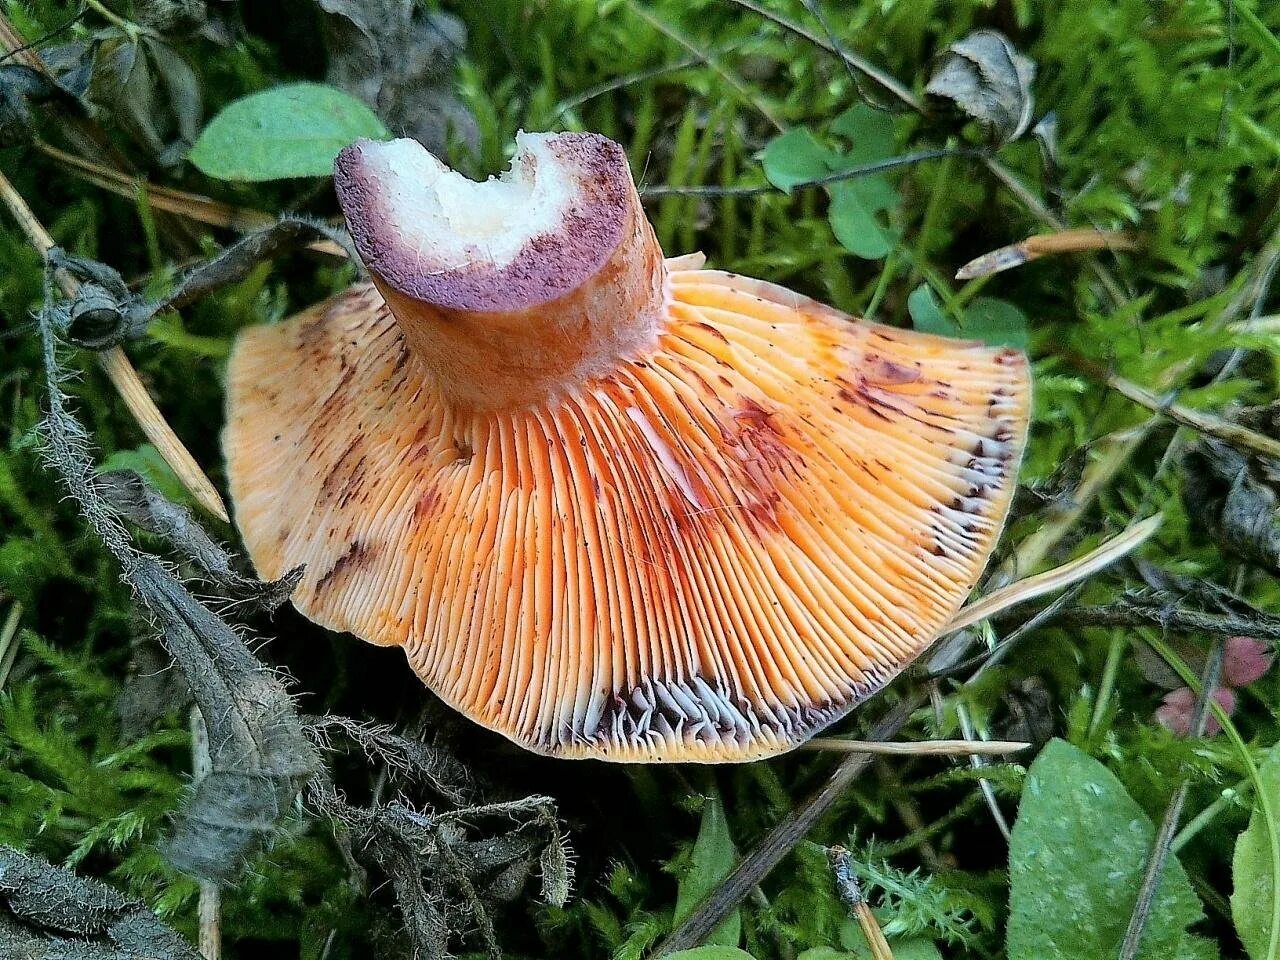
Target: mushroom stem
[(517, 289)]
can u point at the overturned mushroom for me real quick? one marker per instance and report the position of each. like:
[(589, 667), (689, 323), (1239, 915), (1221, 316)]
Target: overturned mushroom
[(611, 505)]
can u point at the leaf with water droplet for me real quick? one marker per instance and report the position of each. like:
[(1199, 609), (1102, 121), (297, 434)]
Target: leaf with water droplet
[(1076, 860), (1253, 886)]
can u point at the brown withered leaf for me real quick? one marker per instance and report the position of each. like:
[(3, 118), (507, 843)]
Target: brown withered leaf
[(1235, 496), (399, 58), (988, 80), (141, 83)]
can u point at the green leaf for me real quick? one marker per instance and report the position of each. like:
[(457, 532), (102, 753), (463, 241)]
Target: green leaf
[(993, 321), (1076, 860), (294, 130), (147, 463), (927, 315), (795, 157), (711, 952), (1253, 893), (855, 206), (869, 132), (997, 322), (713, 858)]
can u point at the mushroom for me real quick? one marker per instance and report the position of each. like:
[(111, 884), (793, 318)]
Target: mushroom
[(611, 505)]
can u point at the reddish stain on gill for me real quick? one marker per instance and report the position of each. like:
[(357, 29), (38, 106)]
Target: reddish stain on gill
[(881, 370), (760, 455)]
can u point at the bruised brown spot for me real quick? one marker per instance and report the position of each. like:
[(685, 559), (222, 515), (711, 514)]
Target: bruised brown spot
[(761, 455), (718, 334), (356, 555), (859, 396), (336, 476), (756, 415), (879, 369), (427, 504)]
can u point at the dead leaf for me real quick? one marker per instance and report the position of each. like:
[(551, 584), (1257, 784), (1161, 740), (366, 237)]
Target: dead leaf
[(51, 914), (1237, 496), (399, 58), (988, 80)]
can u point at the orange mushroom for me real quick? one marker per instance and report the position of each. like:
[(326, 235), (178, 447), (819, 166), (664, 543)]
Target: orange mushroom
[(611, 505)]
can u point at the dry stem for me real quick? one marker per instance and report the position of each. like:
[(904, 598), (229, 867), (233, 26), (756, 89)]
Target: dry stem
[(917, 748), (1042, 245), (210, 906), (193, 206), (1199, 420), (1058, 578), (122, 373)]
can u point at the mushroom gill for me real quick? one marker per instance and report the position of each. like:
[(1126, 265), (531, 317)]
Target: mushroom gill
[(611, 505)]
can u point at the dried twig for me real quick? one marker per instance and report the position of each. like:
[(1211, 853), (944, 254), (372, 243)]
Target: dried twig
[(210, 903), (850, 891), (1042, 245), (190, 205), (1059, 577), (706, 56), (122, 374), (639, 76), (1170, 618), (917, 748), (976, 761), (1198, 420), (9, 641), (848, 173), (851, 60)]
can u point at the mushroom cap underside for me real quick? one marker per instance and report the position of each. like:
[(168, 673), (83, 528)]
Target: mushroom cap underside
[(708, 555)]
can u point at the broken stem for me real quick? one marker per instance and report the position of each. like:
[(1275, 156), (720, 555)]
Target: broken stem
[(122, 374), (210, 904), (850, 891)]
